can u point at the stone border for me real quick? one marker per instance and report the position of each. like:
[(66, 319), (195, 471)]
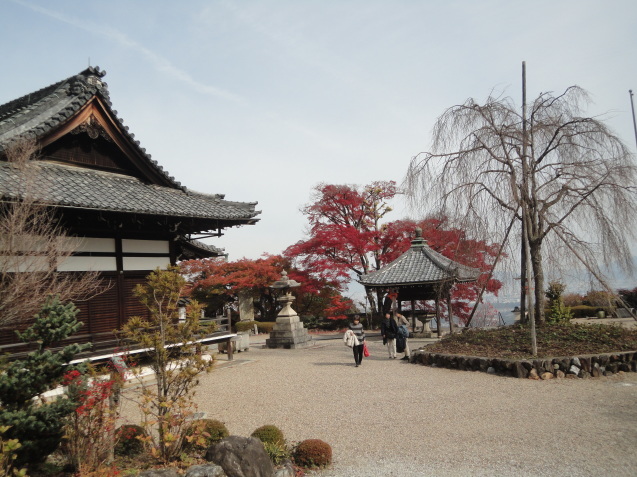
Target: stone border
[(583, 366)]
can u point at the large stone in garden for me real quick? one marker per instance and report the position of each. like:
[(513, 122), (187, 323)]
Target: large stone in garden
[(206, 470), (287, 470), (241, 457)]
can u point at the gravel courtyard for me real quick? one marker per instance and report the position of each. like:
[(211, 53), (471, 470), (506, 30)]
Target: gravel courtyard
[(391, 418)]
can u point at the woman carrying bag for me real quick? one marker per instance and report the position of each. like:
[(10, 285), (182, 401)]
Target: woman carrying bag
[(357, 328)]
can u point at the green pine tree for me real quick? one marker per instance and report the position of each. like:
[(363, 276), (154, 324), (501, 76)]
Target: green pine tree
[(37, 422)]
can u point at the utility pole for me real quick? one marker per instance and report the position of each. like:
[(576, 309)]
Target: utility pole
[(525, 217), (632, 106)]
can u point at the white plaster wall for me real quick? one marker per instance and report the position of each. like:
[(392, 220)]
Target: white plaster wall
[(81, 264), (145, 246), (145, 263)]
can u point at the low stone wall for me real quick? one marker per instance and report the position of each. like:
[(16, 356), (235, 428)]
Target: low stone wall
[(585, 366)]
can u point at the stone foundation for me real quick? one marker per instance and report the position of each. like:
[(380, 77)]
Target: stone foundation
[(288, 333), (584, 366)]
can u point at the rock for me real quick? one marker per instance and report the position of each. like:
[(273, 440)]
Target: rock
[(241, 457), (491, 370), (538, 364), (574, 370), (521, 371), (586, 364), (564, 364), (205, 470), (595, 372), (576, 362), (571, 376), (286, 470), (159, 473), (559, 374), (584, 374), (533, 374), (547, 375)]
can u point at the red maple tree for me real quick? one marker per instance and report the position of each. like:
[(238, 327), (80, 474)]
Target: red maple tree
[(218, 283), (347, 239)]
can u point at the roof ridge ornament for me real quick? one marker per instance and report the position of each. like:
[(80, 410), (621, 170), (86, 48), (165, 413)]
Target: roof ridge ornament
[(418, 241)]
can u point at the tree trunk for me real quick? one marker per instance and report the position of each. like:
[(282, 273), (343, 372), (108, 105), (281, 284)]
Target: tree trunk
[(535, 249), (449, 312), (523, 283)]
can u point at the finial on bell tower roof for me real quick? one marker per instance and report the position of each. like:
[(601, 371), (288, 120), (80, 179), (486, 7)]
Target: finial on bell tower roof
[(418, 241)]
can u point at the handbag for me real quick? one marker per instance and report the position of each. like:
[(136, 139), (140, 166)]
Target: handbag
[(365, 350)]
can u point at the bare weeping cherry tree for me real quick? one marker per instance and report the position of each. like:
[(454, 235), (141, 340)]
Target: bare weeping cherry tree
[(566, 178), (33, 244)]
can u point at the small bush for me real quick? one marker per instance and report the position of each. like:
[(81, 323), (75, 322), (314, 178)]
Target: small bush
[(269, 433), (313, 453), (244, 326), (265, 326), (585, 311), (203, 433), (277, 452), (332, 325), (128, 442)]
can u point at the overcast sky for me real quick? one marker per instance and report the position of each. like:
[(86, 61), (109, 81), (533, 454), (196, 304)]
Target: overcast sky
[(262, 100)]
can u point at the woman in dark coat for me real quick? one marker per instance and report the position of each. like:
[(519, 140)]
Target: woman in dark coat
[(388, 330)]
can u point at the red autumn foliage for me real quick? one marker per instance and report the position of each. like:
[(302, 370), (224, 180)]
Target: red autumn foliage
[(219, 282), (344, 228), (346, 237)]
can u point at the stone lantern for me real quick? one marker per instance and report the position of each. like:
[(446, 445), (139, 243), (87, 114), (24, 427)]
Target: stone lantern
[(288, 332)]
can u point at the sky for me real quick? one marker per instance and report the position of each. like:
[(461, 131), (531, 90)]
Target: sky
[(263, 100)]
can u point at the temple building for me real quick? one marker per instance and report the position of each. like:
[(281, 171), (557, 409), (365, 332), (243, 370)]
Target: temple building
[(126, 215)]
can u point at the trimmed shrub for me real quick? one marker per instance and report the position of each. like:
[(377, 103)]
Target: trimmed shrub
[(244, 326), (203, 433), (313, 453), (332, 325), (585, 311), (265, 326), (270, 434), (128, 440)]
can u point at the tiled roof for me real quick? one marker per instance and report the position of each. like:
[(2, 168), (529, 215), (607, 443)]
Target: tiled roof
[(76, 187), (419, 265), (197, 249), (42, 112)]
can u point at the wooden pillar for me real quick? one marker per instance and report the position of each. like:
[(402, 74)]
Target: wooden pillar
[(229, 345), (449, 312), (413, 316), (394, 302), (438, 317)]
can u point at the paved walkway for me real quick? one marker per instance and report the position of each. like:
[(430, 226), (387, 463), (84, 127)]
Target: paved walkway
[(389, 417)]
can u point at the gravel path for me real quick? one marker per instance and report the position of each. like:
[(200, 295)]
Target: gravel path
[(391, 418)]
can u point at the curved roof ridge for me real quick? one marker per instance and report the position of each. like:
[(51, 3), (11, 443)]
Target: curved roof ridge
[(418, 265), (48, 108)]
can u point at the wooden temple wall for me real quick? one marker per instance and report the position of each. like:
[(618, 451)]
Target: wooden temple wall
[(122, 265)]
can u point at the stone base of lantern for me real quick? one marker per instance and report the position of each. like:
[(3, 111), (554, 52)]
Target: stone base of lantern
[(289, 333)]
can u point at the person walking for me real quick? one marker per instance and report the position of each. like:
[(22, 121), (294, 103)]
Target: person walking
[(403, 336), (388, 330), (357, 328)]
